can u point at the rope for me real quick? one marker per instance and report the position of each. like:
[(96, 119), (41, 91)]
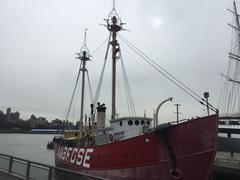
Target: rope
[(170, 77), (99, 86), (98, 47), (74, 91), (129, 97), (90, 88)]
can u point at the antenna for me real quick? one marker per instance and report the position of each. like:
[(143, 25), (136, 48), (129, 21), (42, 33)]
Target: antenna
[(177, 105), (85, 37), (113, 4)]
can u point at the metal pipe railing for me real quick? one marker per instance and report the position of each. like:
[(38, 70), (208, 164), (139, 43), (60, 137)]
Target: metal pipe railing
[(51, 169)]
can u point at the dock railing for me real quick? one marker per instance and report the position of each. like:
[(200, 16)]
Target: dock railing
[(26, 169)]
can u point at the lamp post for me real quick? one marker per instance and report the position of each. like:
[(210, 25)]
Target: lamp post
[(206, 96)]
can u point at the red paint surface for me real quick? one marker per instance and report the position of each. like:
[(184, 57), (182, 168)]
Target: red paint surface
[(193, 142)]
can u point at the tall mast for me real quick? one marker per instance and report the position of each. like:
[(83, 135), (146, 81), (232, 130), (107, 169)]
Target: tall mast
[(83, 56), (114, 25)]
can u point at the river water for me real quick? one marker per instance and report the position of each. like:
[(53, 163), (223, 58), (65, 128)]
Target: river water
[(28, 146), (33, 147)]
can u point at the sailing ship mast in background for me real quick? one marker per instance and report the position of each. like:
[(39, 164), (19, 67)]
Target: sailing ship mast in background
[(230, 95)]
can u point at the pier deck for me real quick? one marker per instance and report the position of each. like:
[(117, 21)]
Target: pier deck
[(227, 160), (6, 176)]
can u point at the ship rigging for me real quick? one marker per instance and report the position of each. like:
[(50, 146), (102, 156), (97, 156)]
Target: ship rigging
[(229, 100), (114, 26), (136, 147)]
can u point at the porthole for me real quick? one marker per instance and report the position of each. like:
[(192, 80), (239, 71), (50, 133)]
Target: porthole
[(120, 123), (130, 122), (142, 122), (148, 122), (137, 122)]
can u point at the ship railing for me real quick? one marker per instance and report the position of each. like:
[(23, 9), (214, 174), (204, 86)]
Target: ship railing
[(180, 121), (227, 163), (26, 169)]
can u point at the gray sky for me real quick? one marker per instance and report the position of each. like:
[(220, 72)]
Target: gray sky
[(38, 39)]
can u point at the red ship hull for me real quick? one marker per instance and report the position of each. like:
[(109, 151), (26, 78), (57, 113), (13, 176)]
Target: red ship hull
[(182, 151)]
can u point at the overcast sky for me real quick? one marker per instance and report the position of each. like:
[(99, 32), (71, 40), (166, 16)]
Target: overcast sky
[(38, 39)]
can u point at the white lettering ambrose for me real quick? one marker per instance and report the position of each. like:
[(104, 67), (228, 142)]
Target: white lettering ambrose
[(78, 156)]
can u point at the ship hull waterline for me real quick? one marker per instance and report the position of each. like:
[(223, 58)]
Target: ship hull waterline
[(182, 151)]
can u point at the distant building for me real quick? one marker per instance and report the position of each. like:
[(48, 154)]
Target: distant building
[(11, 116), (2, 117), (15, 116), (39, 122), (8, 114), (33, 122), (57, 124)]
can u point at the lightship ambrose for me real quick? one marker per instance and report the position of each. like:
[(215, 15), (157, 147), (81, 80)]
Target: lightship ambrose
[(137, 147)]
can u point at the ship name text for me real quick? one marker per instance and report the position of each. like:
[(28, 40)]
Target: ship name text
[(78, 156)]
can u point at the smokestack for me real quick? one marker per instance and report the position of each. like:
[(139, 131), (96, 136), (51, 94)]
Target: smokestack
[(101, 115)]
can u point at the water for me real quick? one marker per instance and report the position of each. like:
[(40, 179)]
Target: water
[(28, 146), (32, 147)]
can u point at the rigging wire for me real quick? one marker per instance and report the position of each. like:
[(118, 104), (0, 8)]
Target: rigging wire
[(162, 69), (174, 80), (75, 102), (235, 74), (98, 47), (99, 86), (77, 80), (74, 91), (129, 97), (141, 63), (229, 99), (90, 88)]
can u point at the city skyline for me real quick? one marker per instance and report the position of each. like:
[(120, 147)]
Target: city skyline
[(12, 122), (16, 115)]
